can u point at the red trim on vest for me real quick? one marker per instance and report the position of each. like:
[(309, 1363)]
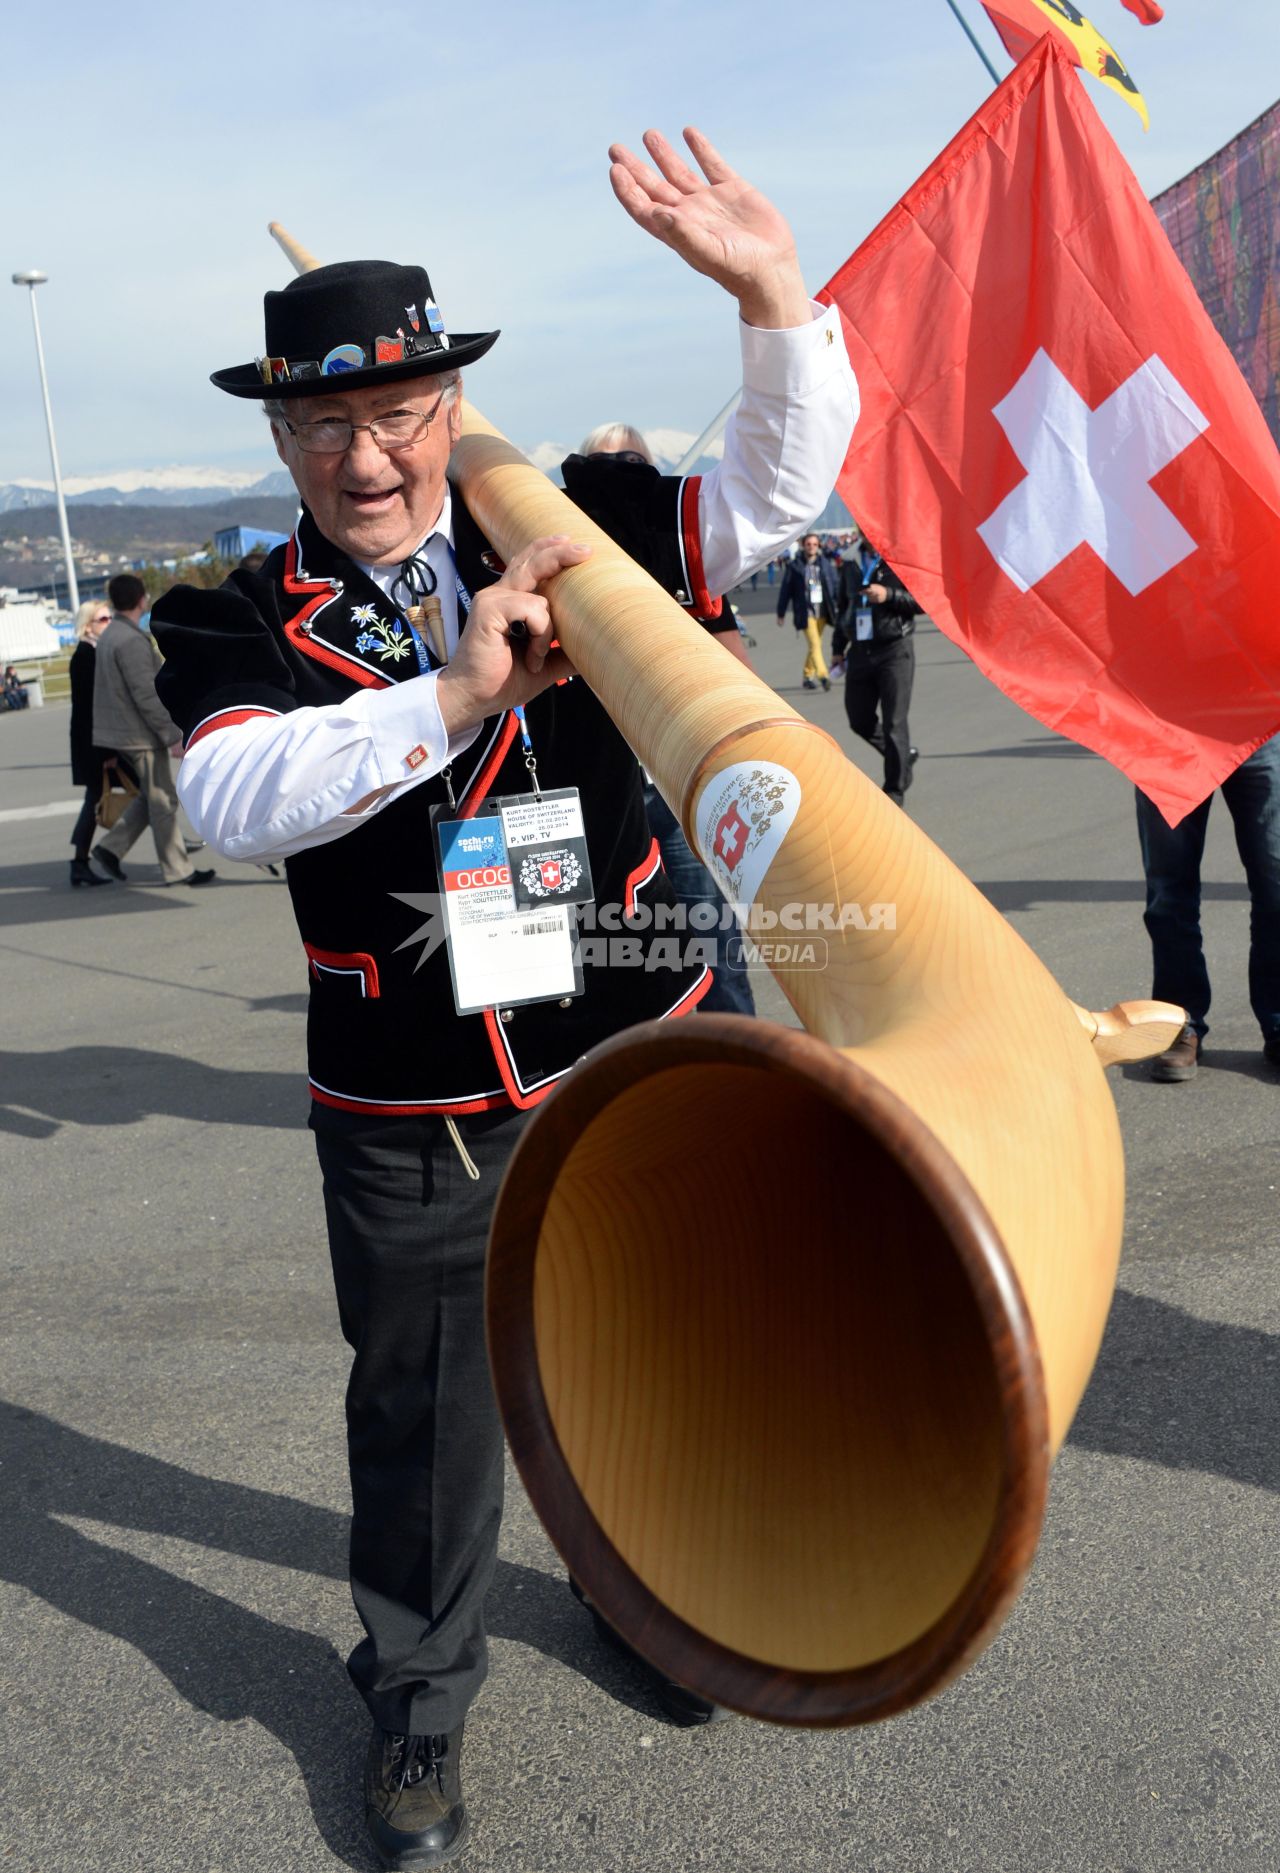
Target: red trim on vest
[(700, 599), (302, 641), (351, 960), (645, 870), (478, 785), (226, 718), (490, 1103), (515, 1096), (687, 1003)]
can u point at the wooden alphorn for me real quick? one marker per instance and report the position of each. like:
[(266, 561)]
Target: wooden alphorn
[(787, 1327)]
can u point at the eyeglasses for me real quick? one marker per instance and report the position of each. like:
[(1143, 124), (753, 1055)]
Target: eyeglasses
[(619, 455), (102, 618), (398, 429)]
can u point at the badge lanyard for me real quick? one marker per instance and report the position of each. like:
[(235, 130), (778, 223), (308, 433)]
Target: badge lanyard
[(863, 623), (510, 875)]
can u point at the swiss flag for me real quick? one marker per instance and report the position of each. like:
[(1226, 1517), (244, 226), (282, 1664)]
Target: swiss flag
[(1056, 450), (730, 838)]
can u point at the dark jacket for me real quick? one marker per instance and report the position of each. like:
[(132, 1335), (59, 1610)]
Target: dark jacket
[(893, 619), (86, 759), (794, 590), (383, 1034)]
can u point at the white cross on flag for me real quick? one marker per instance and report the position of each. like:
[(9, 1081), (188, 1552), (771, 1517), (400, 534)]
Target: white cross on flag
[(1057, 453)]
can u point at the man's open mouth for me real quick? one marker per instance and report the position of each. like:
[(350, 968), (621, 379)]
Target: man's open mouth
[(371, 502)]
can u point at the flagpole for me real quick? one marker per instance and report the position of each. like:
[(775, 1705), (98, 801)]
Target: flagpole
[(968, 33)]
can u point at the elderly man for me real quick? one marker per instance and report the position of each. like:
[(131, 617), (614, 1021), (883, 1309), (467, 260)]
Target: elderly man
[(370, 673)]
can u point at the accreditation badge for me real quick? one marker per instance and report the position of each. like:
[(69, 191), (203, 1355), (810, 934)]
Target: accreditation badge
[(499, 955), (862, 626), (546, 847)]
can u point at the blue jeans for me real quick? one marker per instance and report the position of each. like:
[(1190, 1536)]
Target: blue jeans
[(730, 992), (1171, 860)]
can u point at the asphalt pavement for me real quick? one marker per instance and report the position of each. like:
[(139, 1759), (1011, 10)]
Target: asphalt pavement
[(174, 1494)]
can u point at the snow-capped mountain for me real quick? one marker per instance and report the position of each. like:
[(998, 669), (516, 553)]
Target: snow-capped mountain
[(147, 487)]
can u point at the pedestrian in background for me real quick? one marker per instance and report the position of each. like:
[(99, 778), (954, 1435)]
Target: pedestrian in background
[(873, 637), (810, 586), (92, 620), (1171, 858), (131, 723)]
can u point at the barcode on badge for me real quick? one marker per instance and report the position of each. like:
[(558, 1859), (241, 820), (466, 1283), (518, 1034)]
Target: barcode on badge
[(545, 926)]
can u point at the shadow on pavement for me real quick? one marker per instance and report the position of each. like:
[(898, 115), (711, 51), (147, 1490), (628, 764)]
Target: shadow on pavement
[(1052, 745), (123, 1085), (1186, 1393), (1022, 893), (224, 1659), (1247, 1062), (26, 890)]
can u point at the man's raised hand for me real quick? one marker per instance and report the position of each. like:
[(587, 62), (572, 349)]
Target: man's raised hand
[(721, 226)]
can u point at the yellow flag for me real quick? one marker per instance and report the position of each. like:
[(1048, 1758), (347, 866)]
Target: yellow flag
[(1021, 22)]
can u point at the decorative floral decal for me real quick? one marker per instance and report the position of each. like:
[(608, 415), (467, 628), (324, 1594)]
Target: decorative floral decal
[(391, 641)]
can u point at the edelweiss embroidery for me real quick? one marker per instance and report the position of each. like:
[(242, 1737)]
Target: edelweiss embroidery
[(364, 614), (390, 641)]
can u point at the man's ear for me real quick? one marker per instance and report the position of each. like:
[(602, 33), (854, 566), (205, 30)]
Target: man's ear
[(454, 414), (279, 441)]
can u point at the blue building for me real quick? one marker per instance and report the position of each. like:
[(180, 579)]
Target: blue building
[(235, 542)]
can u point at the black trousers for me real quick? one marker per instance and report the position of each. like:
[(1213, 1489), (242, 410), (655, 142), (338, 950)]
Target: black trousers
[(407, 1232), (86, 825), (880, 676)]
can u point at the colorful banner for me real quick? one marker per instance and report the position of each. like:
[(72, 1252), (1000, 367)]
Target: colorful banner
[(1224, 222)]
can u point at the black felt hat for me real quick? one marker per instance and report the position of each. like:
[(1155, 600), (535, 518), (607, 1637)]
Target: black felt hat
[(344, 327)]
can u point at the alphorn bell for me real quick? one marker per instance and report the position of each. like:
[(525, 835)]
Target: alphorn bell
[(787, 1326)]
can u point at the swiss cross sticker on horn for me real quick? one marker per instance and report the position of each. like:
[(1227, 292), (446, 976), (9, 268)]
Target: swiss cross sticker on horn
[(1057, 451)]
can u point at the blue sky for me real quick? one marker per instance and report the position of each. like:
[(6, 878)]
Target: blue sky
[(145, 147)]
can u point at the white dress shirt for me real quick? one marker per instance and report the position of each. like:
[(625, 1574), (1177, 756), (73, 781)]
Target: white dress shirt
[(271, 785)]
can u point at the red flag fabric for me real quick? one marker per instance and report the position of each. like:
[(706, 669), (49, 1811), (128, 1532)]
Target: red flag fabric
[(1056, 450), (1145, 10)]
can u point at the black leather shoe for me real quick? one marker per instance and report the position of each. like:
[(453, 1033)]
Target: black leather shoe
[(685, 1708), (83, 873), (1271, 1052), (413, 1798), (110, 864), (197, 877)]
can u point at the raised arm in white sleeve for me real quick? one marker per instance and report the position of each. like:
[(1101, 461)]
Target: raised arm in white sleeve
[(783, 446), (262, 786)]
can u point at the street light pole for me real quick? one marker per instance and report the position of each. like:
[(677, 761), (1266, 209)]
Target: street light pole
[(31, 280)]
